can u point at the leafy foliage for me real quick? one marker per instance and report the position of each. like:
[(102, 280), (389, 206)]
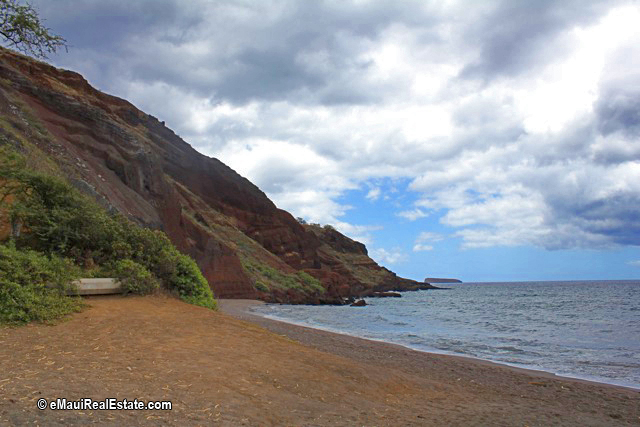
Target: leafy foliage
[(54, 218), (153, 250), (59, 219), (22, 29), (134, 277), (34, 286), (188, 281)]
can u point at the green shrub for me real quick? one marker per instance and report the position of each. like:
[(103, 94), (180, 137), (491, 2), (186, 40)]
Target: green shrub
[(134, 278), (189, 283), (177, 272), (34, 286), (57, 219)]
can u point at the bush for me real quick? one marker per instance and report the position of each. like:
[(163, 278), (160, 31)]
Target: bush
[(34, 286), (177, 272), (134, 278), (189, 283), (59, 220)]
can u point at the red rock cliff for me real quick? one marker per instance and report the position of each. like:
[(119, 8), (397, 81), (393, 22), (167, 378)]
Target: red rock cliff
[(131, 163)]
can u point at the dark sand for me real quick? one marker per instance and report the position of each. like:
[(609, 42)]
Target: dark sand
[(220, 370)]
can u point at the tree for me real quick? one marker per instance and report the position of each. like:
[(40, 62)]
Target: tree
[(22, 29)]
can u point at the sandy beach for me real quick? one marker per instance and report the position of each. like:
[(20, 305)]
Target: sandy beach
[(235, 368)]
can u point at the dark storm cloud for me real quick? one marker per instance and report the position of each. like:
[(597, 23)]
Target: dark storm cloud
[(516, 36), (618, 109), (306, 51), (615, 218), (618, 106), (300, 51), (110, 25), (105, 37)]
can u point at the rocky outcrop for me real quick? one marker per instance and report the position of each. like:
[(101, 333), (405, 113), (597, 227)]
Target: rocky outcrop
[(132, 163), (441, 280)]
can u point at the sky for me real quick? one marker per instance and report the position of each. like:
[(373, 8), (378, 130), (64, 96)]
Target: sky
[(483, 140)]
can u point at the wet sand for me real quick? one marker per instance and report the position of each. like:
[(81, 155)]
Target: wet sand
[(233, 368)]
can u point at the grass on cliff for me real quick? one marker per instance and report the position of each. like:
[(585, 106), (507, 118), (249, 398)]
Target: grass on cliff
[(52, 220), (254, 257), (266, 278)]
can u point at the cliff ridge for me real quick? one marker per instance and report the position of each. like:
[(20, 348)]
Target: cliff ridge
[(132, 163)]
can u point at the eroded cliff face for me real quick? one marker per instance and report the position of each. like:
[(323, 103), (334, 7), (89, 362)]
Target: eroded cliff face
[(132, 163)]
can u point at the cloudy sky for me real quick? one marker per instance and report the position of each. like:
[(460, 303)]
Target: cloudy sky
[(486, 140)]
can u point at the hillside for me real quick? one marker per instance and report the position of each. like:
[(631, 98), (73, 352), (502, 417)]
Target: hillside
[(132, 163)]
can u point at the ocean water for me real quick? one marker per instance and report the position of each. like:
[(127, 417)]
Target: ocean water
[(581, 329)]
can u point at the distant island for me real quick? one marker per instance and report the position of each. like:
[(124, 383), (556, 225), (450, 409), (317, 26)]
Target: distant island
[(441, 280)]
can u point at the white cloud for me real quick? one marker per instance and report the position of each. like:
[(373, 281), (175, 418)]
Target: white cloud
[(413, 214), (360, 233), (383, 256), (424, 240), (373, 194), (634, 263)]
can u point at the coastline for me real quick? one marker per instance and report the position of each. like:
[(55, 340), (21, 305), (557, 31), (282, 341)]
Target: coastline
[(226, 368), (241, 309)]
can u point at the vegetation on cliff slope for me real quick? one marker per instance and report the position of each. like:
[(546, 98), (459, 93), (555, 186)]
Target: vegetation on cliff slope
[(53, 223), (266, 278)]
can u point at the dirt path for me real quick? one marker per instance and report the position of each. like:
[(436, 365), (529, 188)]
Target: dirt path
[(216, 369)]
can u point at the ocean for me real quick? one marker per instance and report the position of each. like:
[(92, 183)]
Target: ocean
[(580, 329)]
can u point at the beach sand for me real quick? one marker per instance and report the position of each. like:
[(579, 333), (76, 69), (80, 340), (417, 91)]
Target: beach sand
[(233, 368)]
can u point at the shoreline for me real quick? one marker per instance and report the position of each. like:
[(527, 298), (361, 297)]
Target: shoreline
[(241, 309), (231, 368)]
